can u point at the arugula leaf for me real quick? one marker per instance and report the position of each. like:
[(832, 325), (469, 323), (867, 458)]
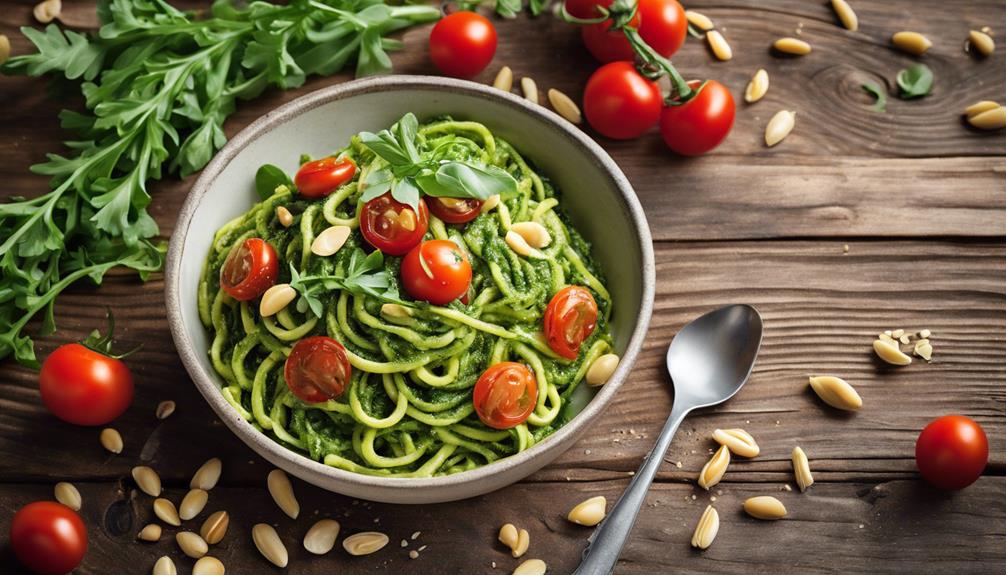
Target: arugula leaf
[(508, 8), (366, 276), (879, 94), (915, 81), (268, 178)]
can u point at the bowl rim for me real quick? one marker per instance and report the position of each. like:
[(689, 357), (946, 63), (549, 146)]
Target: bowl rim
[(207, 384)]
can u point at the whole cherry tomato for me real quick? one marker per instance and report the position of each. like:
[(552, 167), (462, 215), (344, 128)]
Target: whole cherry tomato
[(320, 178), (701, 123), (462, 44), (250, 269), (84, 387), (661, 24), (436, 271), (391, 226), (455, 210), (48, 538), (620, 103), (317, 369), (505, 395), (570, 318), (952, 452)]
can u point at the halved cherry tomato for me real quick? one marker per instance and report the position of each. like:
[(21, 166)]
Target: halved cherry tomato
[(661, 23), (952, 452), (48, 538), (700, 124), (570, 318), (505, 395), (455, 210), (318, 369), (620, 103), (436, 271), (84, 387), (462, 44), (391, 226), (320, 178), (249, 270)]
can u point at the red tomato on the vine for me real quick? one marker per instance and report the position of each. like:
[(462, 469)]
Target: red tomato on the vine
[(462, 44), (505, 395), (84, 387), (661, 23), (620, 103), (391, 226), (701, 123), (249, 270), (317, 369), (320, 178), (436, 271), (570, 318), (952, 452), (48, 538)]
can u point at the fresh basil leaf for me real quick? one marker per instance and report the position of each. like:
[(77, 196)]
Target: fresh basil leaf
[(915, 81), (881, 104), (385, 145), (377, 183), (407, 128), (374, 261), (406, 191), (268, 178), (468, 181)]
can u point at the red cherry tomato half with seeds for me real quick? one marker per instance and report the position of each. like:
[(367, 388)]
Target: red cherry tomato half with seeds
[(436, 271), (320, 178), (317, 369), (249, 270), (620, 103), (505, 395), (48, 538), (391, 226), (84, 387), (952, 452), (462, 44), (700, 124), (661, 24), (570, 318), (455, 210)]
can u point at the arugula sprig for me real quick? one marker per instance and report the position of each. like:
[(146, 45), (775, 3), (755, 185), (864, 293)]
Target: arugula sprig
[(366, 276), (409, 174)]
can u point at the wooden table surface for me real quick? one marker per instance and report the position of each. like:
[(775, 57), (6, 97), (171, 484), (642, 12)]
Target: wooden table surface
[(857, 223)]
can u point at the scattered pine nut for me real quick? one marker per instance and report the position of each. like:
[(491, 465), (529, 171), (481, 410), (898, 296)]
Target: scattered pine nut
[(413, 554), (365, 543), (208, 566), (589, 512), (488, 205), (738, 441), (523, 542), (781, 124), (147, 480), (836, 392), (519, 245), (706, 530), (192, 504), (890, 353), (699, 20), (993, 119), (534, 234), (165, 511), (396, 311), (530, 89), (757, 87), (979, 107), (331, 239), (531, 567), (165, 566), (320, 538), (269, 544), (47, 11), (982, 42), (191, 544), (4, 48), (601, 370), (714, 469), (924, 349), (504, 79), (276, 298), (846, 14), (150, 532), (911, 42), (765, 507), (282, 493), (801, 469), (207, 475), (924, 334), (111, 440), (68, 495), (215, 527), (792, 46), (718, 44), (508, 536), (565, 106), (284, 216), (165, 409)]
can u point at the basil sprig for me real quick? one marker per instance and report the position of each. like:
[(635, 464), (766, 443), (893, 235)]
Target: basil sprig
[(366, 276), (410, 174)]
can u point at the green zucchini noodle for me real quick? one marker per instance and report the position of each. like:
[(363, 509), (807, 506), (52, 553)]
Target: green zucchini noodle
[(407, 410)]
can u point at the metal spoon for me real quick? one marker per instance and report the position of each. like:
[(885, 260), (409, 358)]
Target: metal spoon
[(709, 361)]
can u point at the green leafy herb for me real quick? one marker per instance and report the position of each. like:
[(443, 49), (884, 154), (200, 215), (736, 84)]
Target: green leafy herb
[(268, 178), (881, 104), (366, 276), (158, 84), (915, 81)]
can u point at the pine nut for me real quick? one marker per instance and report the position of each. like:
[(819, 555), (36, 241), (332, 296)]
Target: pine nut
[(207, 475), (282, 493), (890, 353), (792, 46), (718, 44), (911, 42), (208, 566), (756, 87), (150, 532), (191, 544), (779, 127), (111, 440), (275, 299), (165, 566), (166, 512), (589, 512), (320, 538), (518, 244), (979, 107), (147, 480), (845, 14), (924, 334), (407, 219), (47, 11), (268, 543), (68, 495), (284, 216), (492, 202), (504, 79), (897, 333), (924, 349), (365, 543), (531, 567), (530, 89), (565, 105), (533, 233), (714, 469), (765, 507), (993, 119), (836, 392), (332, 238), (523, 542), (508, 536), (215, 527), (4, 48), (982, 42), (192, 504), (699, 20), (165, 409), (738, 441), (396, 311), (801, 469), (602, 369), (705, 531)]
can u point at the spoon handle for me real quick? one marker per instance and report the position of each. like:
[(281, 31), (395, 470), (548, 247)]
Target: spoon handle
[(605, 545)]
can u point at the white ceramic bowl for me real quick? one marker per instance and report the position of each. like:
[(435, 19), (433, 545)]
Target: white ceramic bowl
[(595, 193)]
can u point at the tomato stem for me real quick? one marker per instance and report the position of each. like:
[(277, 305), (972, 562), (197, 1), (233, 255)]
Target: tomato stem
[(103, 343)]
